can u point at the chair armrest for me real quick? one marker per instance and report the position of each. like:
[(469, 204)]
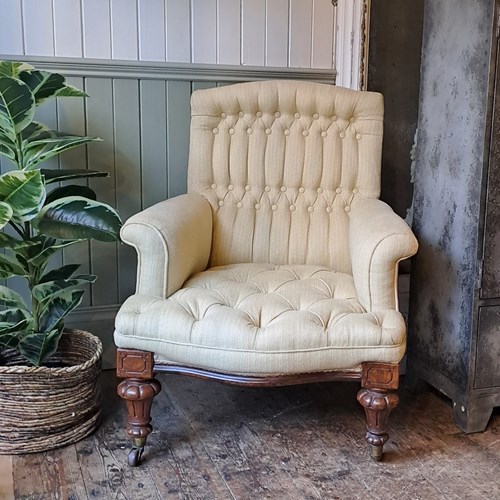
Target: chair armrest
[(378, 240), (173, 240)]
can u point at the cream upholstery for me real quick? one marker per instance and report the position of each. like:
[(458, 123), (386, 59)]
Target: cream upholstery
[(281, 259)]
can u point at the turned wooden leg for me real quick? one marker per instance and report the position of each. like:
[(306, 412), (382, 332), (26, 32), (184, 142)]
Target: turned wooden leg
[(138, 390), (378, 399)]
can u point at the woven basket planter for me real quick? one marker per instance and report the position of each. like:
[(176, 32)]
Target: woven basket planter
[(47, 407)]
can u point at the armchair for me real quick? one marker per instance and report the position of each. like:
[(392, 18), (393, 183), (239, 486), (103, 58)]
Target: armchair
[(280, 264)]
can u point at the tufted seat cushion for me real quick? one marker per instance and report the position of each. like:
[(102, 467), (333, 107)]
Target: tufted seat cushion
[(262, 319)]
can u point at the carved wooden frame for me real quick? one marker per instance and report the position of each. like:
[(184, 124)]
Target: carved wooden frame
[(377, 396)]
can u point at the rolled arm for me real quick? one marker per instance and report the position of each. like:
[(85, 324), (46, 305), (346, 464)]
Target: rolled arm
[(173, 240), (378, 240)]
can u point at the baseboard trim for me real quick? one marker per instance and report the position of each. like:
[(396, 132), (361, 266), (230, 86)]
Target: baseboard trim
[(111, 68)]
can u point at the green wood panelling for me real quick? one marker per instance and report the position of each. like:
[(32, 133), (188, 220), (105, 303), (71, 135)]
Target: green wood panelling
[(101, 156)]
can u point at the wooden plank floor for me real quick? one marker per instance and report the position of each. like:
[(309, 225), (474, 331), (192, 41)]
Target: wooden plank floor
[(213, 441)]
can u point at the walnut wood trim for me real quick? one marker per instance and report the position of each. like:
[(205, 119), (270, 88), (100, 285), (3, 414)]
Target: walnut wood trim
[(380, 376), (270, 381), (132, 363)]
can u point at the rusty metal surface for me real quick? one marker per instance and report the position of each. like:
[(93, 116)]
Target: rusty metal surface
[(448, 179)]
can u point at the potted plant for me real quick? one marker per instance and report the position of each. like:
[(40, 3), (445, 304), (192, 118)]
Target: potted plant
[(48, 390)]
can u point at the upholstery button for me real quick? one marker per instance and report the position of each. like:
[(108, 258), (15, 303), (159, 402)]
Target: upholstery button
[(231, 131), (221, 203), (310, 209), (282, 189), (230, 187), (301, 189), (277, 114), (292, 208), (315, 116), (286, 131), (215, 130), (305, 133), (247, 188), (258, 114), (319, 190), (274, 208), (241, 114), (223, 115), (249, 130), (323, 134), (257, 206), (338, 190), (268, 131), (239, 204), (358, 136), (355, 190), (352, 119), (297, 115), (329, 210), (213, 186), (267, 189), (342, 135), (347, 208), (334, 118)]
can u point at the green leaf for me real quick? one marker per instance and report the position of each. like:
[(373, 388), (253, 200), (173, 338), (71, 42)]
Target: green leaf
[(9, 339), (52, 289), (42, 83), (13, 68), (17, 106), (9, 266), (7, 241), (37, 347), (79, 218), (70, 91), (63, 273), (6, 149), (72, 190), (50, 143), (57, 308), (5, 213), (24, 192), (47, 251), (10, 298), (64, 175)]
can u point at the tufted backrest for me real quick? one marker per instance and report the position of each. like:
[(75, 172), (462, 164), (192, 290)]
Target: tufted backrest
[(282, 163)]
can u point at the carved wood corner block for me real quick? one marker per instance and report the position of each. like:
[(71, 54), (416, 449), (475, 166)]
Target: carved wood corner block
[(131, 363), (139, 394), (380, 376)]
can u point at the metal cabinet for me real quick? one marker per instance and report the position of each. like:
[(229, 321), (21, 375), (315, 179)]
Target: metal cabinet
[(454, 313)]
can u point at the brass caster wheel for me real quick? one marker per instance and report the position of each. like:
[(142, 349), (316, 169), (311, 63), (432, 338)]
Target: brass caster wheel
[(376, 452), (135, 456)]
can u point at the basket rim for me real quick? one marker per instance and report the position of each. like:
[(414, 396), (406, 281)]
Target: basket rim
[(27, 369)]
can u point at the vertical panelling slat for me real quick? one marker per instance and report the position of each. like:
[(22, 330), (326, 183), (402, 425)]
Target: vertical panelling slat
[(178, 118), (96, 29), (202, 85), (152, 46), (101, 157), (322, 34), (277, 33), (204, 30), (71, 119), (11, 28), (68, 28), (153, 142), (178, 31), (124, 42), (253, 36), (38, 28), (300, 33), (228, 32), (128, 174)]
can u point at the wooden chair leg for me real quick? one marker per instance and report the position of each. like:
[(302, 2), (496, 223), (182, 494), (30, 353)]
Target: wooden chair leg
[(138, 390), (378, 382)]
